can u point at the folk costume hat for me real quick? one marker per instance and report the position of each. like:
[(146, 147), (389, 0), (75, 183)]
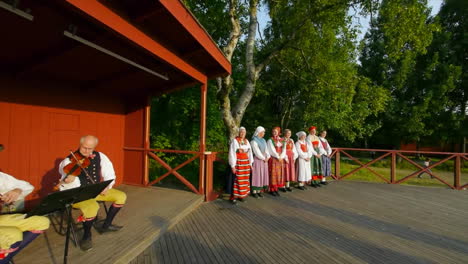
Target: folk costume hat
[(312, 128)]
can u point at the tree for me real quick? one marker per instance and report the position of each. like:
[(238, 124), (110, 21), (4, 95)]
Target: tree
[(291, 21), (391, 57), (451, 48)]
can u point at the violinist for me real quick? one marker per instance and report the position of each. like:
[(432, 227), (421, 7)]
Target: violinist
[(87, 166), (16, 232)]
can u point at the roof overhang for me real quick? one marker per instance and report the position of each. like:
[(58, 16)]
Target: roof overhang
[(93, 44)]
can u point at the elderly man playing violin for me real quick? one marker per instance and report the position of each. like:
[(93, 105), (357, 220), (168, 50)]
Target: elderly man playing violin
[(16, 231), (94, 166)]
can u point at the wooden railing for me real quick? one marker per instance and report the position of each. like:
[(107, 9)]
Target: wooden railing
[(205, 178), (394, 154)]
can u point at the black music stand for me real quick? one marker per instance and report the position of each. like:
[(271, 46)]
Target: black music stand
[(63, 201)]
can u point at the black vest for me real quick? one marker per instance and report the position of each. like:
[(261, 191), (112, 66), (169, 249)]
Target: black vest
[(94, 170)]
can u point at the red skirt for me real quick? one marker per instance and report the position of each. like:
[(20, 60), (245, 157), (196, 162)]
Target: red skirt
[(241, 188), (276, 174), (290, 168)]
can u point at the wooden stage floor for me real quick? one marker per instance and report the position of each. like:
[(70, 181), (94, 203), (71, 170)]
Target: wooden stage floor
[(149, 212), (345, 222)]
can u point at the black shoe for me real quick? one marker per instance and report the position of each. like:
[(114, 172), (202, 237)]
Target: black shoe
[(273, 193), (313, 185), (241, 200), (234, 202), (324, 183), (283, 190), (289, 189), (260, 195), (86, 244), (254, 195), (277, 193), (111, 228), (318, 185), (301, 188)]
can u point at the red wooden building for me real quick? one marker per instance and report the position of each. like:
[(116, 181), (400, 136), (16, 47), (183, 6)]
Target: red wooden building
[(73, 67)]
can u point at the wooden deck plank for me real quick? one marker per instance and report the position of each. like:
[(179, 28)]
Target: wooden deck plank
[(345, 222), (143, 224)]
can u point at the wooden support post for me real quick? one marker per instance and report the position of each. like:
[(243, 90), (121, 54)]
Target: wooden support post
[(209, 194), (146, 143), (457, 172), (337, 165), (202, 176), (393, 168)]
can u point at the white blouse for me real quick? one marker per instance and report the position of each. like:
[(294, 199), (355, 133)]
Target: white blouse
[(8, 183), (302, 154), (328, 149), (234, 146), (258, 153), (272, 149), (293, 149), (310, 139)]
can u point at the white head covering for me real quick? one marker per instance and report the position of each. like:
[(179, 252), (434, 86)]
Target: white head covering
[(241, 128), (259, 130), (300, 134)]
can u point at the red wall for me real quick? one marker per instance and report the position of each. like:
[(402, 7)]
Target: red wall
[(38, 130)]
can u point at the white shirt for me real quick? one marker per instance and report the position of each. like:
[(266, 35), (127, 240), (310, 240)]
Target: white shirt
[(8, 183), (293, 148), (272, 149), (311, 138), (107, 172), (233, 152), (328, 149), (258, 153)]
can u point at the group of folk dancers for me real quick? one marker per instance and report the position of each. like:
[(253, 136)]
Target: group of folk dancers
[(261, 166)]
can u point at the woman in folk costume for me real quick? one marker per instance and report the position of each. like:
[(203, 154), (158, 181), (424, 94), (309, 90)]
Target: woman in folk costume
[(240, 159), (304, 151), (277, 151), (326, 160), (260, 178), (291, 156), (316, 159)]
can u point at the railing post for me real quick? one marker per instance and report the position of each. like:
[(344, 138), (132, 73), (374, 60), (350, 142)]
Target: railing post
[(393, 168), (209, 194), (202, 173), (337, 164), (146, 143), (457, 172)]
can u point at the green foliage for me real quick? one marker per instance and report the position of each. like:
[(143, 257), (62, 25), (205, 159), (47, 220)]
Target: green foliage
[(409, 85), (315, 79), (397, 54), (175, 124)]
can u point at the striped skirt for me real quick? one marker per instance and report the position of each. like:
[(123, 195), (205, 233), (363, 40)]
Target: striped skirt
[(316, 167), (241, 188), (276, 174)]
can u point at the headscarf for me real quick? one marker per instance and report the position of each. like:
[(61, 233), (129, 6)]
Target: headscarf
[(300, 134), (312, 128), (241, 128), (279, 133), (260, 141)]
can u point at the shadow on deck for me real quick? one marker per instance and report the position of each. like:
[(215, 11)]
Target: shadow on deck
[(345, 222), (148, 214)]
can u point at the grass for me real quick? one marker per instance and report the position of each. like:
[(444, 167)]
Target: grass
[(403, 170)]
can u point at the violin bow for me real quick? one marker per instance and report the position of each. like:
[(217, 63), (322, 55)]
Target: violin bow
[(79, 164)]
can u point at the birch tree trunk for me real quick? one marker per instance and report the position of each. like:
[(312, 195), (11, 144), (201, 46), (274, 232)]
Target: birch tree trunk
[(232, 116)]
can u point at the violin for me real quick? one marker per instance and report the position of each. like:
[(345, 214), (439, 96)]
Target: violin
[(78, 163)]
